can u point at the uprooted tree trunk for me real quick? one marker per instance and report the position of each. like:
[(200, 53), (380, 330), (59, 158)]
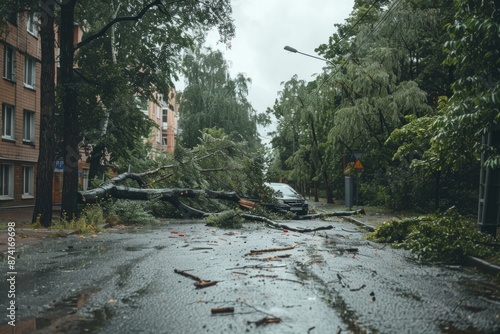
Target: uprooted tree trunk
[(173, 196)]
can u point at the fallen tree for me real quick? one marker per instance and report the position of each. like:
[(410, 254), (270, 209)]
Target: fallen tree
[(171, 195), (111, 189)]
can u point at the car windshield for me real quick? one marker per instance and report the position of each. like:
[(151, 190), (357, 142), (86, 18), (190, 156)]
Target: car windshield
[(284, 189)]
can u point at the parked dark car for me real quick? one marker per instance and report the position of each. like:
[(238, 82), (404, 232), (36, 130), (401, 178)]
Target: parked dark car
[(288, 199)]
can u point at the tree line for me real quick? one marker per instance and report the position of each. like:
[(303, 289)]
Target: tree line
[(412, 85)]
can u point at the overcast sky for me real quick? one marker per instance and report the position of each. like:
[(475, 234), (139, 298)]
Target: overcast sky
[(264, 27)]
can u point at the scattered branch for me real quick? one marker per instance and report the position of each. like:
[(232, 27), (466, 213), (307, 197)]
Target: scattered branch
[(266, 250), (200, 283), (220, 310), (266, 320), (258, 267), (332, 214), (285, 227)]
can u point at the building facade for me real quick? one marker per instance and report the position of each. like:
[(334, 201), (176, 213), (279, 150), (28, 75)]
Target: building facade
[(20, 55), (20, 58), (164, 112)]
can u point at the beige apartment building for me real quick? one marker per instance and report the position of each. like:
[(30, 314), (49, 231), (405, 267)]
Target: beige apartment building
[(164, 112), (20, 56)]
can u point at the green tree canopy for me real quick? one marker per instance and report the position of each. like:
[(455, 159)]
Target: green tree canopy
[(213, 99)]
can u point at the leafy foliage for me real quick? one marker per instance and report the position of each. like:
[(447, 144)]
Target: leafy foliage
[(129, 213), (395, 230), (473, 49), (447, 237), (212, 99), (227, 219), (89, 221), (216, 163)]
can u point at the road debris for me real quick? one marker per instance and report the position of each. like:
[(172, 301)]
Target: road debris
[(266, 320), (267, 250), (272, 258), (200, 283), (220, 310)]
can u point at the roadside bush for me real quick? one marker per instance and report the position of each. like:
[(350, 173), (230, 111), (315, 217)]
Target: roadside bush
[(395, 230), (447, 237), (130, 212), (373, 194), (89, 220), (226, 219)]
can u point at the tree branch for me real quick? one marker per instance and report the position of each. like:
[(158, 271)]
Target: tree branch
[(101, 32)]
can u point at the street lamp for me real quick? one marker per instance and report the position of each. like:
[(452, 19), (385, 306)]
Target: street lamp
[(294, 50), (325, 177)]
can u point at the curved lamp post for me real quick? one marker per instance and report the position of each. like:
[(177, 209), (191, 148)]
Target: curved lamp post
[(325, 176), (294, 50)]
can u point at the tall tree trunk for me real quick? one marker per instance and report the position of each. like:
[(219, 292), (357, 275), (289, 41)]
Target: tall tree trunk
[(71, 135), (46, 156)]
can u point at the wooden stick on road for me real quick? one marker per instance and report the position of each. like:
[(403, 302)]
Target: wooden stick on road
[(200, 283)]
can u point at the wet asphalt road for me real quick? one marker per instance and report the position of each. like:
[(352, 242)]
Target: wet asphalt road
[(332, 281)]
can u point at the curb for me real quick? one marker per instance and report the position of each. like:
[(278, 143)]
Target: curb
[(483, 266), (359, 223)]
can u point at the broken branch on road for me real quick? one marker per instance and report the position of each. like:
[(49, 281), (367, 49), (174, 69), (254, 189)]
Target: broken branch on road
[(200, 283), (271, 258), (266, 250), (266, 320), (282, 226), (220, 310), (258, 267)]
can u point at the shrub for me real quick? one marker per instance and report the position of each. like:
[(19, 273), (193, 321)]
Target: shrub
[(226, 219), (447, 237), (88, 222), (394, 230), (130, 212)]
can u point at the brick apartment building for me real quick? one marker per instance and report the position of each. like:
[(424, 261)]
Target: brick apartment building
[(165, 114), (20, 56)]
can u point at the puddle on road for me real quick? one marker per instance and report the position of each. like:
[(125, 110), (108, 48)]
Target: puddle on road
[(134, 248), (62, 317), (450, 329), (486, 290), (333, 299)]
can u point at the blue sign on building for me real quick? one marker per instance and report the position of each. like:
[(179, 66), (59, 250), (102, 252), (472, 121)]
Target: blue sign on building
[(60, 163)]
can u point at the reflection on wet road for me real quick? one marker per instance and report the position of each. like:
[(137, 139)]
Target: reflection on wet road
[(332, 281)]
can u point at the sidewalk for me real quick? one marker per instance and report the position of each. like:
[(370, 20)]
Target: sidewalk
[(21, 216), (23, 234)]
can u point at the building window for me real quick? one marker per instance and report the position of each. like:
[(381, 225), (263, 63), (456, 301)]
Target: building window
[(7, 121), (9, 63), (30, 72), (6, 181), (33, 24), (28, 182), (12, 18), (158, 136), (29, 127), (164, 140), (165, 115)]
